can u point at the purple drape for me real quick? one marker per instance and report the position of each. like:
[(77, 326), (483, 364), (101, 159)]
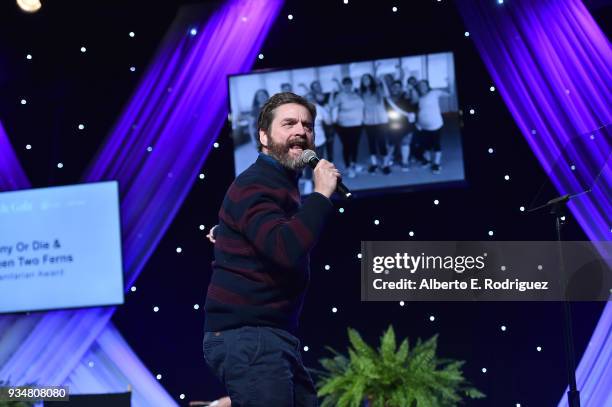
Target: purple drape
[(11, 173), (551, 64), (178, 109)]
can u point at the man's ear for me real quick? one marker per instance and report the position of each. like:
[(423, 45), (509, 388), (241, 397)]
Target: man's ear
[(263, 138)]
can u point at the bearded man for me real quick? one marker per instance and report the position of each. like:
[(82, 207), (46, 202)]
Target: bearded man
[(262, 263)]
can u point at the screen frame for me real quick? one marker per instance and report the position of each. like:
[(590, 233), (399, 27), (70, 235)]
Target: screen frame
[(370, 192), (121, 256)]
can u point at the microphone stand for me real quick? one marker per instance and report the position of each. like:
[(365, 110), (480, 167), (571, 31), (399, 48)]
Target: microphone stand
[(558, 208)]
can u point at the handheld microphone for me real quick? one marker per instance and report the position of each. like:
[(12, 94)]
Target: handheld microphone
[(310, 158)]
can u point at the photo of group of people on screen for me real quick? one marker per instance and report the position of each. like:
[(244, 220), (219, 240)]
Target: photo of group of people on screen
[(381, 127)]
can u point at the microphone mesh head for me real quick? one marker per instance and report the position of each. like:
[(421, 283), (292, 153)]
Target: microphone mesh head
[(308, 155)]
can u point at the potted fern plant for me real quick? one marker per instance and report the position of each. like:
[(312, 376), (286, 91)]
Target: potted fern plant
[(392, 376)]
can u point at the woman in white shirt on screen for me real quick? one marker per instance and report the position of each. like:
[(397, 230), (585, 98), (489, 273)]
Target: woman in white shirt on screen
[(349, 106), (429, 124), (376, 122)]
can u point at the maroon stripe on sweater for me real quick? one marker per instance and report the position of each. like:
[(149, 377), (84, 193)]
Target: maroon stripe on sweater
[(250, 274), (225, 217), (224, 296), (264, 231), (253, 275), (239, 193), (234, 246), (262, 208)]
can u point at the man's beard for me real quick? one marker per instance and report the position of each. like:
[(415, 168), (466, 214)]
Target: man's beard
[(280, 151)]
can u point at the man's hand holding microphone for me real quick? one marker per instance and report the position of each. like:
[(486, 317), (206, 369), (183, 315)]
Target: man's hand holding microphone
[(327, 178)]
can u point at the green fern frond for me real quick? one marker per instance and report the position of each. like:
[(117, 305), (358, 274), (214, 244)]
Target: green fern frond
[(392, 376), (388, 345), (402, 352), (359, 345)]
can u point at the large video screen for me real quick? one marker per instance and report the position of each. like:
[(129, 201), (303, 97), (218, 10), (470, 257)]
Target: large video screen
[(60, 247), (386, 124)]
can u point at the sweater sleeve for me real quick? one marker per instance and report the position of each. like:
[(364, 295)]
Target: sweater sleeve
[(284, 240)]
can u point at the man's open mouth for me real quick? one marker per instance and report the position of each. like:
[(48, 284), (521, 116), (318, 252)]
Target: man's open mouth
[(297, 146)]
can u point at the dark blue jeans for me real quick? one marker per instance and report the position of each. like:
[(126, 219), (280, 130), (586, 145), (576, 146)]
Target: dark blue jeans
[(260, 366)]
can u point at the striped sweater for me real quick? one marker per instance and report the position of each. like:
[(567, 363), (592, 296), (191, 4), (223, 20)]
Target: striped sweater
[(262, 266)]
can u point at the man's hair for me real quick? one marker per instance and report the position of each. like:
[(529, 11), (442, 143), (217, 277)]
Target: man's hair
[(266, 114)]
